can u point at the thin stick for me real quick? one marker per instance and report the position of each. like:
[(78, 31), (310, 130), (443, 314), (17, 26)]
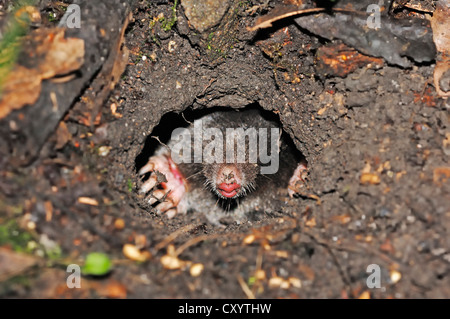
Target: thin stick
[(245, 287)]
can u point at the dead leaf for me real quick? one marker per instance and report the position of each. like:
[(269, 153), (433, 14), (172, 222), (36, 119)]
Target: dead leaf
[(52, 55), (21, 87), (13, 264), (61, 55)]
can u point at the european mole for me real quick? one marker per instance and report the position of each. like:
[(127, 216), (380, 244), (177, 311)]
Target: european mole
[(227, 163)]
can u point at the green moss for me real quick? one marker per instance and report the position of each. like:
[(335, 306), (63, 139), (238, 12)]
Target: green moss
[(11, 234), (54, 253), (167, 24), (22, 241), (130, 185), (51, 17), (209, 41)]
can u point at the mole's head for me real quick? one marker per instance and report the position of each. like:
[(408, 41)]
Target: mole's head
[(231, 180)]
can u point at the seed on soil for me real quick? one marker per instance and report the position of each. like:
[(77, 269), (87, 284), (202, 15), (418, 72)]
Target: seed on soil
[(171, 262), (265, 244), (119, 224), (295, 282), (282, 254), (104, 150), (88, 201), (249, 239), (343, 219), (260, 274), (196, 270), (172, 46), (395, 276), (132, 252), (31, 225), (275, 282), (369, 178), (279, 282)]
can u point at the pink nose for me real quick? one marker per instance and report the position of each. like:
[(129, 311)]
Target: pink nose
[(229, 190)]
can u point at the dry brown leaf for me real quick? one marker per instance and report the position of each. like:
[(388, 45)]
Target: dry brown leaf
[(54, 55), (12, 263), (22, 86), (62, 56)]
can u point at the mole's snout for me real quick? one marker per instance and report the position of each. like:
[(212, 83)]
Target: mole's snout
[(229, 190), (229, 181)]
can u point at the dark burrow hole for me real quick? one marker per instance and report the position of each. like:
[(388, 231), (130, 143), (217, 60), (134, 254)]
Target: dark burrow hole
[(162, 134), (169, 121)]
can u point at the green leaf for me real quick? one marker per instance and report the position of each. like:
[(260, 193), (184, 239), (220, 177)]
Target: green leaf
[(97, 264)]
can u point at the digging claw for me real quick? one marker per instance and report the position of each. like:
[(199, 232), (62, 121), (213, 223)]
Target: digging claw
[(147, 168), (164, 206), (167, 194), (149, 184), (171, 213)]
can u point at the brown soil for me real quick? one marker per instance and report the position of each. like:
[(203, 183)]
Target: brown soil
[(378, 190)]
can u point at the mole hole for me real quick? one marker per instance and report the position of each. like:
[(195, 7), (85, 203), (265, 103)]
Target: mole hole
[(162, 132)]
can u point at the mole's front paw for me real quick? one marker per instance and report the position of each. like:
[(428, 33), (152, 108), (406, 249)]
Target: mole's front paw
[(166, 183), (297, 181)]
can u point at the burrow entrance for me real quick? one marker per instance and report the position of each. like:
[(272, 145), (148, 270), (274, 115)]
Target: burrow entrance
[(159, 142)]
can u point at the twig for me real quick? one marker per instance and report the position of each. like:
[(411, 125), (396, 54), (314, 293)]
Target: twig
[(174, 235), (245, 287)]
